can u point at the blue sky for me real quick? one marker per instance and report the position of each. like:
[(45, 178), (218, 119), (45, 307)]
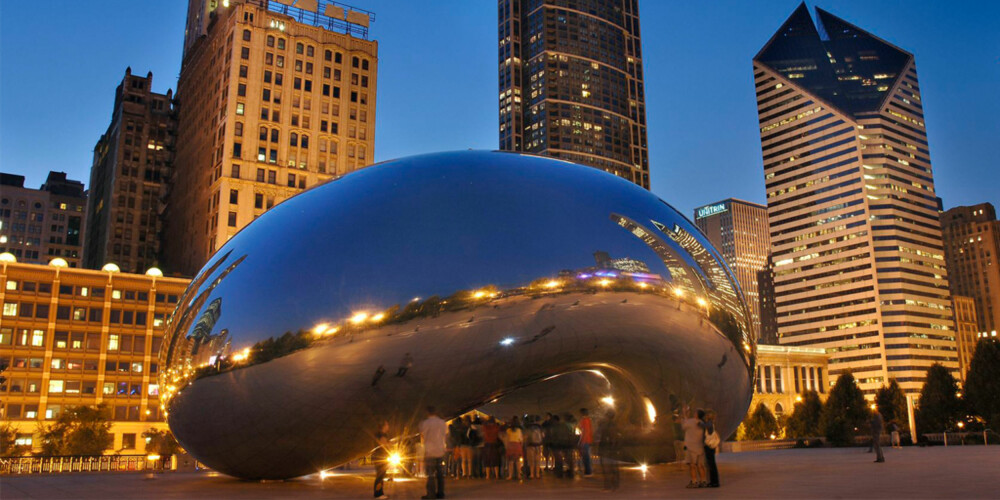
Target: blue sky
[(437, 83)]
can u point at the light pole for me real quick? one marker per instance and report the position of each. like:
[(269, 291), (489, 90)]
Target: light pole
[(911, 419)]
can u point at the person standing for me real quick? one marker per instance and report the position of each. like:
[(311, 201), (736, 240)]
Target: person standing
[(586, 440), (610, 451), (381, 457), (433, 432), (514, 444), (712, 442), (533, 450), (894, 434), (547, 454), (694, 447), (491, 448), (877, 424)]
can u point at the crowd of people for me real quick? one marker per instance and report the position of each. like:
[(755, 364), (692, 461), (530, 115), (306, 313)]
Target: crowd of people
[(482, 446)]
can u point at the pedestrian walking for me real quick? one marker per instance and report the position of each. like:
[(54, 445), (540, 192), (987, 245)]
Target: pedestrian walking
[(877, 424), (712, 442), (404, 365), (433, 432), (378, 374)]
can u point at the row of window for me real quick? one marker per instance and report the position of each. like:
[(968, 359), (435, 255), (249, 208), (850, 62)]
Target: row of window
[(84, 291)]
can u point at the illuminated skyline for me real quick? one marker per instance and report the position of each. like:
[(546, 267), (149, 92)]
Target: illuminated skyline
[(700, 102)]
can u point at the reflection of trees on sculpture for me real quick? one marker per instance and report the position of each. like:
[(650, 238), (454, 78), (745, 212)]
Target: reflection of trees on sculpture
[(161, 443)]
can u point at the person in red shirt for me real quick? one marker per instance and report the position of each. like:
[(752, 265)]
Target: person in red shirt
[(491, 448), (586, 439)]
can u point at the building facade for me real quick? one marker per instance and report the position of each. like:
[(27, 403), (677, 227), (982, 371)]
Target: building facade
[(132, 162), (738, 229), (972, 247), (273, 100), (966, 331), (784, 373), (71, 337), (855, 236), (571, 83), (38, 225)]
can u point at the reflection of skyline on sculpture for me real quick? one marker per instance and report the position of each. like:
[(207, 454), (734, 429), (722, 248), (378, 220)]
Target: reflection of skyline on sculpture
[(496, 271), (507, 260)]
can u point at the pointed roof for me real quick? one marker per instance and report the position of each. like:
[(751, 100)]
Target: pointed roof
[(834, 60)]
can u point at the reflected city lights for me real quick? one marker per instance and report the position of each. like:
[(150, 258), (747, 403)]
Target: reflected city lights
[(359, 318), (378, 317), (507, 341), (320, 328), (552, 284), (650, 410), (608, 400), (604, 282)]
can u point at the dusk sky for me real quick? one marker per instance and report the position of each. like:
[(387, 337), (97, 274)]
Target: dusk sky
[(437, 83)]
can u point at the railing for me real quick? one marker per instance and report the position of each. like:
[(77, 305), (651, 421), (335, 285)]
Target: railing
[(91, 463), (764, 444)]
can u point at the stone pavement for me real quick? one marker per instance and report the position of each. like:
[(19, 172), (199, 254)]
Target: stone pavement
[(938, 472)]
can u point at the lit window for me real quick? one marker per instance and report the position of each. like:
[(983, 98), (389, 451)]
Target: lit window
[(55, 386), (112, 342), (10, 309), (37, 338)]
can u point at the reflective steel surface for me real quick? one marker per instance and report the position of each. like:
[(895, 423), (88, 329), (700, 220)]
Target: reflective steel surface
[(451, 279)]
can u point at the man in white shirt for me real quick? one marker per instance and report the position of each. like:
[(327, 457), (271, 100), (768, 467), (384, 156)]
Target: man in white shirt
[(432, 433)]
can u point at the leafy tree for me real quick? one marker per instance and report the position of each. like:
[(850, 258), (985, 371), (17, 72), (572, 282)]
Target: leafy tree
[(891, 402), (804, 421), (761, 424), (982, 382), (161, 443), (939, 407), (8, 442), (79, 430), (845, 412)]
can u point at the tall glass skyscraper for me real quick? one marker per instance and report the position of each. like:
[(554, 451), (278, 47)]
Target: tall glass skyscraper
[(858, 259), (571, 83)]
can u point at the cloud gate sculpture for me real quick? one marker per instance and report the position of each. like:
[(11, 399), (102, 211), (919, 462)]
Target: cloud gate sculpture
[(455, 280)]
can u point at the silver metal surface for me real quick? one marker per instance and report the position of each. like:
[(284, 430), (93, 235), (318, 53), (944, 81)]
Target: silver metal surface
[(486, 273)]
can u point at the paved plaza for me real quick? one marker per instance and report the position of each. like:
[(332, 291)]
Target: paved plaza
[(939, 472)]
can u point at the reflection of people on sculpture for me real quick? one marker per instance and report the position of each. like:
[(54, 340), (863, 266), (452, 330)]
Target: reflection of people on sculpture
[(610, 449), (378, 374), (381, 456), (404, 365)]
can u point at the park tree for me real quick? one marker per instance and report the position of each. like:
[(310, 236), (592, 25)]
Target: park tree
[(845, 412), (761, 424), (8, 442), (79, 430), (162, 443), (982, 382), (891, 403), (804, 421), (939, 408)]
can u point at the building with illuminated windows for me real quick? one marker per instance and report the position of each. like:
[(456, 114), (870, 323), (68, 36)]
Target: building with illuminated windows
[(738, 229), (967, 333), (784, 373), (855, 237), (132, 162), (972, 247), (71, 337), (571, 83), (37, 225), (273, 99)]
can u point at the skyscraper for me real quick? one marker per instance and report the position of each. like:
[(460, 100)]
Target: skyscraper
[(738, 229), (571, 83), (972, 247), (273, 99), (132, 162), (38, 225), (966, 332), (855, 236)]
